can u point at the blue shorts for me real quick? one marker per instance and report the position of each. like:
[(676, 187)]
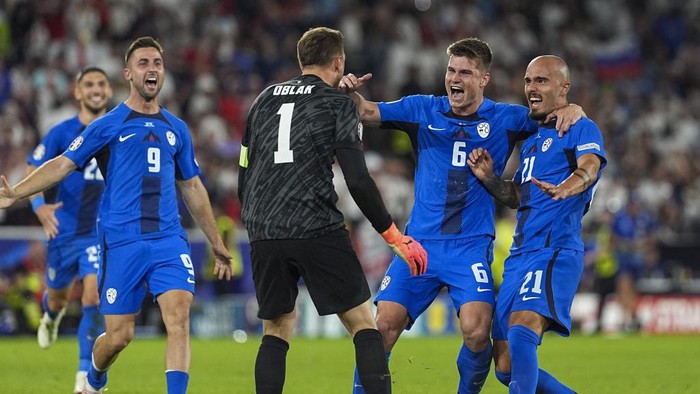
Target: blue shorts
[(128, 270), (461, 265), (542, 281), (79, 256)]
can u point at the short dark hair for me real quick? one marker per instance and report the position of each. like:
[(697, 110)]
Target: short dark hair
[(142, 42), (472, 48), (88, 70), (318, 47)]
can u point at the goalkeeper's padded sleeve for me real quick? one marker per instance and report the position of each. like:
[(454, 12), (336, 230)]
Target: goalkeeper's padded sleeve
[(362, 188)]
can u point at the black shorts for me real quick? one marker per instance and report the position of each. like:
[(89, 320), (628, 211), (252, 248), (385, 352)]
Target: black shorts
[(330, 268)]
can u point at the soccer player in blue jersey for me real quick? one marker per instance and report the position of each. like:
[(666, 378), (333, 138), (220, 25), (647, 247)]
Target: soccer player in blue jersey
[(552, 189), (143, 151), (69, 223), (453, 215)]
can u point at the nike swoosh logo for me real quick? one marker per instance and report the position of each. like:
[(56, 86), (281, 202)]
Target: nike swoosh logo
[(190, 280), (480, 290), (123, 138), (526, 298), (431, 127)]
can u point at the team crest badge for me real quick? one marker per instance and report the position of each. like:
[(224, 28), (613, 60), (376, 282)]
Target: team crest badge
[(360, 129), (52, 273), (111, 295), (546, 144), (385, 282), (39, 152), (76, 143), (483, 129), (171, 138)]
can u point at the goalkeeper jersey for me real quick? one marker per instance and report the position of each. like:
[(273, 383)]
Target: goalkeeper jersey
[(292, 132)]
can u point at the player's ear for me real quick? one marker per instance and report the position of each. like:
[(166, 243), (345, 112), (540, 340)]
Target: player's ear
[(127, 74), (485, 79), (76, 91)]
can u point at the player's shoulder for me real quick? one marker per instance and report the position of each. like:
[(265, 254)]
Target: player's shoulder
[(70, 125), (584, 126), (509, 109), (173, 119)]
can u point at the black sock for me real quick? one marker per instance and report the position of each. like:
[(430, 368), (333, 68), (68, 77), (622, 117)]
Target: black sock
[(270, 365), (371, 362)]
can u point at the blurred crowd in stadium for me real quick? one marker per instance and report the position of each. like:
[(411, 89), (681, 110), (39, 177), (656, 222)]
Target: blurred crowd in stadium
[(634, 71)]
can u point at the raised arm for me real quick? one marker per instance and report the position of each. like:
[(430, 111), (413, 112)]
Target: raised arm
[(197, 200), (49, 174), (581, 179), (504, 191), (369, 111)]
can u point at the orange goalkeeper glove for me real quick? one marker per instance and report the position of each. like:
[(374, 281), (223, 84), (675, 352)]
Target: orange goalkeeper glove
[(408, 249)]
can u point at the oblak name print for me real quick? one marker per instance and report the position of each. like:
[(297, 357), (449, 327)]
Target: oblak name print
[(284, 90)]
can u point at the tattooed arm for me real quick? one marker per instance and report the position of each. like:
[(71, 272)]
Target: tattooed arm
[(506, 192)]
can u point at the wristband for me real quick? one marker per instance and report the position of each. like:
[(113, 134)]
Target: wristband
[(37, 202)]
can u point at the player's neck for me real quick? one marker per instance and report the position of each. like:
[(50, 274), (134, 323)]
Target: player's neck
[(140, 105), (327, 75), (86, 116)]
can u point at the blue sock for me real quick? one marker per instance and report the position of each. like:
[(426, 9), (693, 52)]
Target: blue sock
[(503, 377), (522, 343), (45, 306), (177, 381), (547, 383), (357, 385), (90, 327), (473, 368), (97, 378)]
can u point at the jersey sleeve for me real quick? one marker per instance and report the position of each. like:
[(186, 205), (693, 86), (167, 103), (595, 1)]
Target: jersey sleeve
[(404, 110), (85, 146), (48, 148), (185, 162), (348, 127), (589, 139)]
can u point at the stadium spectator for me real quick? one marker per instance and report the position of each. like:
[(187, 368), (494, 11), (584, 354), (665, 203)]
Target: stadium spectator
[(633, 244), (293, 132), (453, 215), (148, 152), (69, 223), (545, 266)]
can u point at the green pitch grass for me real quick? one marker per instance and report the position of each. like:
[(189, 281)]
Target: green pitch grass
[(634, 364)]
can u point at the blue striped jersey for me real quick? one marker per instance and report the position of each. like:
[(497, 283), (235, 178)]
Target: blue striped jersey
[(450, 202), (80, 192), (141, 156), (542, 221)]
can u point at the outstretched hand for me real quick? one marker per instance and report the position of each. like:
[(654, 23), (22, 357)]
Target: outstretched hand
[(222, 264), (481, 163), (7, 193), (557, 192), (47, 217), (350, 83), (408, 249)]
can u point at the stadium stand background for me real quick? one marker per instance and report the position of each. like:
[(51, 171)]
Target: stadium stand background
[(634, 69)]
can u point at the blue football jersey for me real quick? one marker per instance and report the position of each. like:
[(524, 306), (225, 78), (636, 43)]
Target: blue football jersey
[(450, 202), (542, 221), (141, 156), (80, 192)]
